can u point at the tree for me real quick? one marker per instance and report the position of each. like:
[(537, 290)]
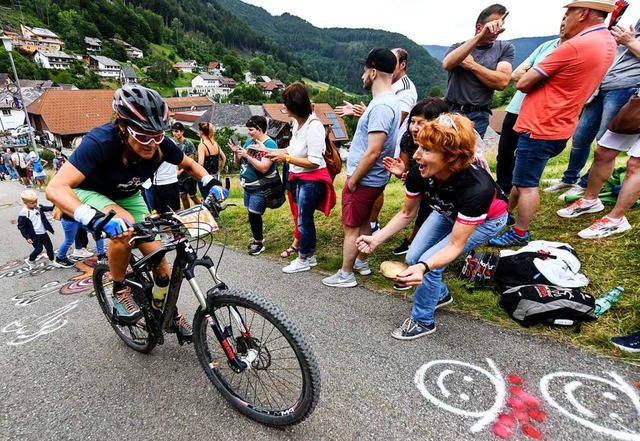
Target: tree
[(436, 91), (248, 94), (257, 66), (161, 71), (91, 80)]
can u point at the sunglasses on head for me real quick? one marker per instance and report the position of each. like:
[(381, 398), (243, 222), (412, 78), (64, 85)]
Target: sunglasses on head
[(144, 138)]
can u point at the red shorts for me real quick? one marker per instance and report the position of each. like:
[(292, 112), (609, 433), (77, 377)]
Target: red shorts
[(357, 205)]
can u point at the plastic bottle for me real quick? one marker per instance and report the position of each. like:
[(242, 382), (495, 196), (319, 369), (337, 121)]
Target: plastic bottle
[(160, 288), (608, 299)]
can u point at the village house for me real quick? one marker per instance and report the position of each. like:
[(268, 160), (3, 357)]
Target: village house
[(53, 60), (127, 75), (35, 39), (70, 114), (104, 67), (11, 114), (187, 66), (212, 85), (92, 46), (215, 68)]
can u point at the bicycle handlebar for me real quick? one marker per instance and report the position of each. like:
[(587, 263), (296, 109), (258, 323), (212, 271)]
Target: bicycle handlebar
[(97, 233)]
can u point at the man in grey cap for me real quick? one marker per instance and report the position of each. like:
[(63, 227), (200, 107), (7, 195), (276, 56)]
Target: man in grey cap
[(375, 138), (477, 67)]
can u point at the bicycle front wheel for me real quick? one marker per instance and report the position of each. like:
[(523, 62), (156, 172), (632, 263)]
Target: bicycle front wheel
[(281, 385), (137, 336)]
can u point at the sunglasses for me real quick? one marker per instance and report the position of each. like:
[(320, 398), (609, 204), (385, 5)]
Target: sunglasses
[(144, 138)]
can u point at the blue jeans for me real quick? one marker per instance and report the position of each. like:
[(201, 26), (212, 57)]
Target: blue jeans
[(70, 229), (532, 156), (480, 120), (433, 236), (308, 194), (12, 171), (594, 120)]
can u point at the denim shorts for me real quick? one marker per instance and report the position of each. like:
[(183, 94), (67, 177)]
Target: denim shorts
[(255, 202), (532, 156)]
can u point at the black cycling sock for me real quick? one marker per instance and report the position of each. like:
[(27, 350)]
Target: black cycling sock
[(118, 286), (255, 220)]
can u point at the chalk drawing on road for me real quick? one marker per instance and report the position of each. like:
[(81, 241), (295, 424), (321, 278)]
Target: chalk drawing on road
[(451, 379), (32, 296), (29, 329), (578, 403)]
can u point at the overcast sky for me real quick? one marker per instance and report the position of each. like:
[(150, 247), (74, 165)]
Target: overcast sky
[(426, 22)]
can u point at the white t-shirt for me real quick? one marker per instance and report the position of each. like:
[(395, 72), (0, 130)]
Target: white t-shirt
[(34, 217), (407, 95), (307, 142), (167, 173)]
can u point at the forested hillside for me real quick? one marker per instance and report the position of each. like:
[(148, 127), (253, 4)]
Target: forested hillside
[(333, 52)]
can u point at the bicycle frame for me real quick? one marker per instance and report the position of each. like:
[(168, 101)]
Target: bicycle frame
[(184, 267)]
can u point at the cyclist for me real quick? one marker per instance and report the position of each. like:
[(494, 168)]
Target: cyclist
[(106, 172)]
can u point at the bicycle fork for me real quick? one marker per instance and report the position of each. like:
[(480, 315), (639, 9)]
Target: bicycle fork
[(224, 336)]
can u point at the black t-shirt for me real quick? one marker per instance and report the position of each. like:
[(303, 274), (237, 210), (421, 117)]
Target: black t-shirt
[(99, 159), (470, 196)]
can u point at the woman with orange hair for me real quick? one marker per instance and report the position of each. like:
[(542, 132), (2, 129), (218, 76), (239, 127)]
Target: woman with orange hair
[(468, 209)]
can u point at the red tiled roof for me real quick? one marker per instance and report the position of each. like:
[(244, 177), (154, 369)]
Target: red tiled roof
[(214, 65), (187, 117), (192, 101), (274, 111), (268, 87), (71, 112)]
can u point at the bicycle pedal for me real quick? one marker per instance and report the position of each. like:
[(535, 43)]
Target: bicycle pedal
[(182, 339)]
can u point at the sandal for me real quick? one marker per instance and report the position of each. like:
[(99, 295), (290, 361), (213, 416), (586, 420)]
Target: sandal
[(289, 251)]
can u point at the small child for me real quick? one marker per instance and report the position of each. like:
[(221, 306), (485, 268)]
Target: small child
[(33, 225)]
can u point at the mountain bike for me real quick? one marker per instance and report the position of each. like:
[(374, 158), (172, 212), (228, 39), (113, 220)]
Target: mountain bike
[(250, 350)]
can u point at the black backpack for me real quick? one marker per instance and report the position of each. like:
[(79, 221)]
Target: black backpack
[(532, 304)]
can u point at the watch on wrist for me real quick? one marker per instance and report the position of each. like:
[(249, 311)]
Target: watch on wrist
[(287, 158), (426, 266)]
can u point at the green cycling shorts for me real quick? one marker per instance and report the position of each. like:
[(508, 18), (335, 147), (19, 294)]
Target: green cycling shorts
[(135, 204)]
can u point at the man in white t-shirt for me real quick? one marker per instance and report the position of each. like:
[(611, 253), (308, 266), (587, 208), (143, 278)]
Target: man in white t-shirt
[(404, 88)]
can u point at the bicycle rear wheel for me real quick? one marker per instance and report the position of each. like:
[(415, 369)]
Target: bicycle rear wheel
[(137, 336), (281, 386)]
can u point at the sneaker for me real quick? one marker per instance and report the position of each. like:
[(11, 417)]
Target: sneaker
[(339, 280), (509, 239), (63, 263), (182, 327), (256, 247), (29, 263), (362, 267), (402, 249), (581, 207), (628, 343), (312, 261), (399, 287), (446, 300), (557, 187), (102, 258), (511, 219), (82, 253), (375, 226), (296, 266), (124, 307), (605, 227), (411, 329), (576, 190)]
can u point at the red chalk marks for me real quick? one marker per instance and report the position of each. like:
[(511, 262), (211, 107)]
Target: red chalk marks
[(502, 431), (531, 432), (514, 379), (524, 409)]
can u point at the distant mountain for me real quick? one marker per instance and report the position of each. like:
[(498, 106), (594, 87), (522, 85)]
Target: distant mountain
[(334, 52), (524, 47)]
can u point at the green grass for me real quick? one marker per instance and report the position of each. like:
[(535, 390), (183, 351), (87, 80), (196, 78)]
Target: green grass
[(606, 262)]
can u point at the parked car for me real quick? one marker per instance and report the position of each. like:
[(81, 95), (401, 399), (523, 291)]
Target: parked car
[(20, 131)]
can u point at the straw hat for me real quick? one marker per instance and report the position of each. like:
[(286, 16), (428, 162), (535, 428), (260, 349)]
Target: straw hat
[(598, 5), (390, 268)]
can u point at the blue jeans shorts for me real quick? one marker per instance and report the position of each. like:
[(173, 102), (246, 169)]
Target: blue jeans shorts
[(532, 156), (255, 202)]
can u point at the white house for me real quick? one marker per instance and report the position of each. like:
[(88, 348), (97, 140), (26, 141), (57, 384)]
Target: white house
[(188, 66), (127, 75), (134, 52), (211, 85), (92, 45), (53, 60), (215, 68), (105, 67), (249, 78)]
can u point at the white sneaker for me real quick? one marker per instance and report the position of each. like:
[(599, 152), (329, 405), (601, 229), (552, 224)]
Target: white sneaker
[(297, 266), (82, 253), (362, 267), (29, 263), (605, 227), (576, 190), (312, 260), (557, 187), (581, 207), (339, 280)]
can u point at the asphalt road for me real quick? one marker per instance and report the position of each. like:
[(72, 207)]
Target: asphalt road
[(65, 374)]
